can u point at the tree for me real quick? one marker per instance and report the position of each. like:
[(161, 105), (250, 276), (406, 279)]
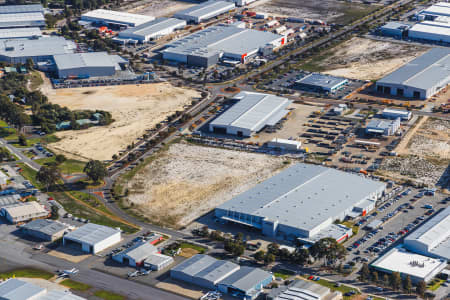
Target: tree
[(365, 272), (55, 214), (60, 158), (259, 256), (328, 248), (269, 258), (48, 175), (22, 140), (395, 281), (407, 284), (95, 170), (421, 288)]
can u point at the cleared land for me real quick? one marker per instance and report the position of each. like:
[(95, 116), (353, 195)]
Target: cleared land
[(158, 8), (187, 181), (363, 59), (328, 10), (135, 108), (424, 154)]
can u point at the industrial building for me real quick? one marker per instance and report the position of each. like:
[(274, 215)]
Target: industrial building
[(43, 229), (115, 18), (438, 9), (39, 50), (250, 114), (284, 144), (20, 33), (383, 127), (302, 201), (16, 16), (204, 11), (303, 290), (432, 238), (242, 2), (16, 289), (221, 42), (419, 79), (390, 113), (143, 254), (93, 238), (394, 29), (320, 83), (23, 212), (92, 64), (205, 271), (152, 30), (416, 266), (9, 200), (430, 31), (21, 9), (3, 178)]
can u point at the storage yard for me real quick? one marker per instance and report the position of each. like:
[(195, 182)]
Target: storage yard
[(135, 109), (188, 180)]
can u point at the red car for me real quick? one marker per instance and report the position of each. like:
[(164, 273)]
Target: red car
[(311, 277)]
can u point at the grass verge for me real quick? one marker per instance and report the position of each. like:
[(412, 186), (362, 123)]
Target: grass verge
[(27, 273), (284, 274), (30, 175), (341, 288), (108, 295), (70, 166), (75, 285), (201, 250)]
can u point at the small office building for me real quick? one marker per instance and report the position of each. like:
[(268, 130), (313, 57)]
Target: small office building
[(43, 229), (390, 113), (383, 127), (143, 254), (92, 238), (320, 83), (23, 212), (284, 144)]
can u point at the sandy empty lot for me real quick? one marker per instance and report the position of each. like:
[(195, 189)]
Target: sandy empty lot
[(135, 108), (367, 59), (158, 8), (188, 180)]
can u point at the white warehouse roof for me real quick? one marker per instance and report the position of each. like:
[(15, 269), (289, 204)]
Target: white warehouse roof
[(22, 19), (15, 289), (253, 111), (439, 9), (18, 33), (89, 59), (111, 16), (25, 209), (152, 29), (205, 10), (12, 9), (91, 234), (45, 46)]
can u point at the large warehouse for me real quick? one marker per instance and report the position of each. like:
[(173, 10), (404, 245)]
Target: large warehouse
[(302, 201), (13, 16), (320, 83), (44, 229), (93, 238), (205, 271), (20, 33), (111, 17), (250, 114), (152, 30), (416, 266), (204, 11), (438, 9), (206, 47), (42, 49), (21, 9), (433, 237), (421, 78), (93, 64)]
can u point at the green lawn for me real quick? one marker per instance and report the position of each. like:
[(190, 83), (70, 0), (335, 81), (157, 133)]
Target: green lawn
[(30, 175), (28, 273), (75, 285), (6, 132), (30, 142), (342, 288), (108, 295), (70, 166), (195, 247), (285, 274)]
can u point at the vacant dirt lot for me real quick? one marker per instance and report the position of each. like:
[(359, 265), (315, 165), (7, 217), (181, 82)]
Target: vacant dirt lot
[(188, 180), (158, 8), (135, 108), (367, 59)]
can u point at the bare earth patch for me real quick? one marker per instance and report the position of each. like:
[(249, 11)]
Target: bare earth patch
[(135, 108), (158, 8), (367, 59), (188, 180)]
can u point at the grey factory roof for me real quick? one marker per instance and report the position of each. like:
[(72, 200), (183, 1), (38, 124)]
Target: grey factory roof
[(195, 264), (205, 8), (253, 111), (45, 226), (15, 289), (300, 290), (379, 124), (304, 196), (9, 200), (116, 17), (157, 259), (394, 25), (22, 17), (59, 295), (423, 72), (245, 278), (153, 27), (45, 46), (140, 251), (90, 59), (9, 33), (91, 233), (222, 38), (217, 270), (323, 81), (435, 234), (11, 9)]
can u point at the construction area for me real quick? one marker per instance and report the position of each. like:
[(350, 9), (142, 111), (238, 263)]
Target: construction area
[(366, 59), (186, 181), (134, 108), (423, 154)]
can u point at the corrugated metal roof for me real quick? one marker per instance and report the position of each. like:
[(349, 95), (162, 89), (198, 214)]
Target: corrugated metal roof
[(9, 200), (91, 233), (117, 17), (153, 27), (11, 9), (60, 295), (394, 25), (304, 196), (206, 8), (140, 251), (15, 289), (300, 290), (195, 264), (45, 46), (17, 17), (323, 81), (157, 259), (439, 10), (19, 33), (423, 72), (45, 226), (217, 271), (25, 209), (252, 111), (246, 278), (89, 59), (379, 124)]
